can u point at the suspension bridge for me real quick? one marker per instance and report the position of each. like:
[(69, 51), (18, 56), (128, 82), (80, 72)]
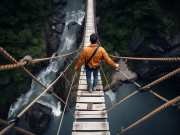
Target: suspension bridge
[(91, 114)]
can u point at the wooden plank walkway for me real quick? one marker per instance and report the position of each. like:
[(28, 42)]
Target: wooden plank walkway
[(90, 114)]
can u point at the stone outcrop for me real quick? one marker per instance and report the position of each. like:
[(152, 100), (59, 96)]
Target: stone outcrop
[(55, 27)]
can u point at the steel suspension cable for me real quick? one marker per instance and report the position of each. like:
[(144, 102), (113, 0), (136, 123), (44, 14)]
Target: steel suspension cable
[(152, 113), (62, 116)]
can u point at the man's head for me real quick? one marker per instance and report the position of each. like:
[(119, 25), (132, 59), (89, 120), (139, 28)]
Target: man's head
[(93, 38)]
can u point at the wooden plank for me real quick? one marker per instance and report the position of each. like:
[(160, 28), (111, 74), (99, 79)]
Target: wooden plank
[(96, 116), (90, 107), (85, 82), (91, 133), (84, 87), (82, 74), (90, 99), (83, 77), (90, 112), (87, 93), (90, 126)]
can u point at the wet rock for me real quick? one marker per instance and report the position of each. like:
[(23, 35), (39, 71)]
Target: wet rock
[(55, 27), (5, 80), (123, 75), (38, 118), (136, 40), (61, 2), (156, 48), (52, 42), (174, 52), (59, 28), (175, 40)]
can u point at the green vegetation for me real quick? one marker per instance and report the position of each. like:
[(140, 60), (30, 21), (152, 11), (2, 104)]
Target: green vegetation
[(123, 20), (22, 24), (145, 24), (22, 27)]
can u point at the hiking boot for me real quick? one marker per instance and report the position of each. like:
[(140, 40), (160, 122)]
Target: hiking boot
[(90, 90), (94, 88)]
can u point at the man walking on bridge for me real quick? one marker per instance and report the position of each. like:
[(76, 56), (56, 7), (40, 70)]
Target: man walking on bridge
[(91, 57)]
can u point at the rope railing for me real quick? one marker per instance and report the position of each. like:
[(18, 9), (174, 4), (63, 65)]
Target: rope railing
[(24, 61), (34, 101), (104, 75), (66, 103), (165, 77), (20, 64), (165, 59), (135, 93), (13, 60), (36, 80), (151, 114), (18, 129), (12, 66), (34, 61)]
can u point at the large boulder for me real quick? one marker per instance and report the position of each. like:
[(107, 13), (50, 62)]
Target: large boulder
[(60, 2), (38, 118), (123, 75)]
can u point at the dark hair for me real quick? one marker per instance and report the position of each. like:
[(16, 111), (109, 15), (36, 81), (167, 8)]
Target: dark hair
[(93, 38)]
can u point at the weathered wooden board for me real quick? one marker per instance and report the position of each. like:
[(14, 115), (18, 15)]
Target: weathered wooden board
[(91, 133), (87, 93), (85, 82), (90, 106), (84, 73), (84, 87), (90, 99), (96, 126), (83, 77), (86, 116), (90, 112)]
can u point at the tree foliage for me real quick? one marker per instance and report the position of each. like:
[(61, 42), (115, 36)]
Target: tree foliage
[(22, 27)]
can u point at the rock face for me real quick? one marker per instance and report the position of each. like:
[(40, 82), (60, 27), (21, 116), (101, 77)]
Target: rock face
[(118, 77), (160, 46), (38, 118), (55, 27)]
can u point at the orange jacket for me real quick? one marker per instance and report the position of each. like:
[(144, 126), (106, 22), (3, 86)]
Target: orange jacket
[(101, 54)]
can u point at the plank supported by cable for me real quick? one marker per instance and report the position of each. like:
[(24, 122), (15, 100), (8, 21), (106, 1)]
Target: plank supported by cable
[(90, 111), (93, 126), (90, 133)]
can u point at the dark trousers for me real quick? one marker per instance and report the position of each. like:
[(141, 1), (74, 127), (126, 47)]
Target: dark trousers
[(89, 72)]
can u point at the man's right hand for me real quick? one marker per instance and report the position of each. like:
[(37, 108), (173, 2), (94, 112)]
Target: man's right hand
[(117, 66)]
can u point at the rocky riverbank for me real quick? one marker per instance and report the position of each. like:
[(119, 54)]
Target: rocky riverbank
[(14, 83)]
